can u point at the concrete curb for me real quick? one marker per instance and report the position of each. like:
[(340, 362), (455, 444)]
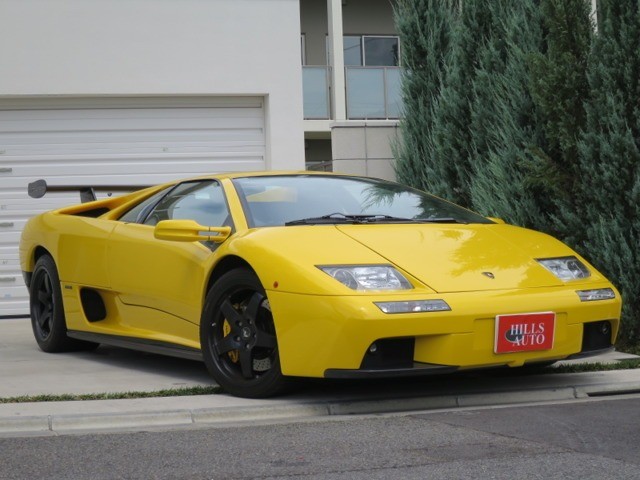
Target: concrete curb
[(137, 418), (26, 371)]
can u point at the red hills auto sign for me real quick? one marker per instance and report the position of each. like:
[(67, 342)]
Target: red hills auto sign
[(524, 332)]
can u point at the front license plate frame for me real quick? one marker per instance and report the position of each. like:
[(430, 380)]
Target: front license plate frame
[(524, 332)]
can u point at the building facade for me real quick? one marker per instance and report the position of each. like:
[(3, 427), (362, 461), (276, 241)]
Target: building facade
[(110, 92), (351, 57)]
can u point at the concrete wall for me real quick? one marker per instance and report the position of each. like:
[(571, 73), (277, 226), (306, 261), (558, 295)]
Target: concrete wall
[(313, 24), (161, 47), (364, 148), (318, 150), (374, 17)]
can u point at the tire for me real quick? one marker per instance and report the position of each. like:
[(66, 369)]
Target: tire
[(47, 313), (238, 337)]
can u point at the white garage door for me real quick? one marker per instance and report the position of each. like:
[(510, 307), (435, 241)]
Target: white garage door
[(115, 141)]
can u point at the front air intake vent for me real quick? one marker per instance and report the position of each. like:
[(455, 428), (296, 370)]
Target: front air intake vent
[(389, 353), (596, 336), (93, 305)]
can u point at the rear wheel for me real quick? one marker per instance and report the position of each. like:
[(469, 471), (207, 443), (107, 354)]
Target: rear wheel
[(238, 337), (47, 315)]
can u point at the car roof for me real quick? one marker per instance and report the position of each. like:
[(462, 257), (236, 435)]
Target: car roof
[(265, 173), (270, 173)]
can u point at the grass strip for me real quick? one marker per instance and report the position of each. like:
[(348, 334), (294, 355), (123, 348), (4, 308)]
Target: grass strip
[(595, 367), (174, 392), (214, 389), (628, 348)]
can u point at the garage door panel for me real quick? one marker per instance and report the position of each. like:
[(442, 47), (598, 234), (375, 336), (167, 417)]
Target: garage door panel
[(130, 164), (62, 144), (10, 267), (70, 103), (128, 156), (90, 110), (23, 207), (52, 143), (112, 119), (113, 141), (25, 128), (15, 301), (9, 262), (9, 255), (10, 238), (166, 172)]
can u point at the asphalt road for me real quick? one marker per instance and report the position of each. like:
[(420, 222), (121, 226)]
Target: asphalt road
[(593, 439)]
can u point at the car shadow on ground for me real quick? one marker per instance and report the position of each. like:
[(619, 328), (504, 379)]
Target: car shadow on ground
[(134, 360), (193, 372)]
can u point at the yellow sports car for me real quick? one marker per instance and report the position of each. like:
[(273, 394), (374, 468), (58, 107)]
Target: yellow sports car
[(271, 275)]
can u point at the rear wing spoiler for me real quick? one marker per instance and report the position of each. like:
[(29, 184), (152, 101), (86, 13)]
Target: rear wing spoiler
[(39, 188)]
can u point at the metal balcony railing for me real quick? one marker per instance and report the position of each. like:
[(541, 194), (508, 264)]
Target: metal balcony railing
[(326, 166), (315, 87), (371, 92)]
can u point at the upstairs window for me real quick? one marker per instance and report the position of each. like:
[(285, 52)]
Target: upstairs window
[(371, 50)]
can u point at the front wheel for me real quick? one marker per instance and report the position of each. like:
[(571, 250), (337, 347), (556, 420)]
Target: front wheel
[(238, 337)]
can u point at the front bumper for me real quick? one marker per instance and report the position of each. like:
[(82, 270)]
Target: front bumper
[(330, 336)]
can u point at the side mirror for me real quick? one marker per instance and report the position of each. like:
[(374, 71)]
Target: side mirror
[(189, 231), (497, 220)]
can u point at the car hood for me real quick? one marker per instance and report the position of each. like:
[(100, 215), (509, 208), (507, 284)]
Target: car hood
[(461, 258)]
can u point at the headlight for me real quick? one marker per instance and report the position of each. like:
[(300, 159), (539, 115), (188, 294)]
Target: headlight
[(368, 277), (565, 268), (597, 294)]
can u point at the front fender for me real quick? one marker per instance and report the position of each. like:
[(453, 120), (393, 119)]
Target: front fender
[(286, 258)]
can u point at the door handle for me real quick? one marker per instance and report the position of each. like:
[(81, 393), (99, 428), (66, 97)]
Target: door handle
[(6, 224), (7, 279)]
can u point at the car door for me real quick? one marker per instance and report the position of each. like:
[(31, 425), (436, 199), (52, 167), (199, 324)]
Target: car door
[(167, 276)]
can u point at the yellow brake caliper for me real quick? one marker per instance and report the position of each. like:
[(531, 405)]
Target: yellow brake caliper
[(226, 330)]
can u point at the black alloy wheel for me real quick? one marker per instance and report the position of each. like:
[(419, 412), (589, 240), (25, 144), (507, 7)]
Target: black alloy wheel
[(47, 314), (238, 337)]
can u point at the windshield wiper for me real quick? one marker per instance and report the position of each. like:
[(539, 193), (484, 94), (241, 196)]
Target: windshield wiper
[(441, 220), (392, 219), (353, 219), (328, 220)]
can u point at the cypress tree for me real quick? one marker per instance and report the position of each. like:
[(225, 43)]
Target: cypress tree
[(450, 136), (505, 132), (607, 197), (425, 27), (559, 88), (519, 110)]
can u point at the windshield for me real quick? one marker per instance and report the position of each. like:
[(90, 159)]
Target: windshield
[(318, 199)]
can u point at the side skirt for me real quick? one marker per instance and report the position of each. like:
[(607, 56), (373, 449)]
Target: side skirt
[(149, 346)]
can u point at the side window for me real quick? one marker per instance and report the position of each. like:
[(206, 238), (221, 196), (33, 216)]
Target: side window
[(203, 202), (133, 215)]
